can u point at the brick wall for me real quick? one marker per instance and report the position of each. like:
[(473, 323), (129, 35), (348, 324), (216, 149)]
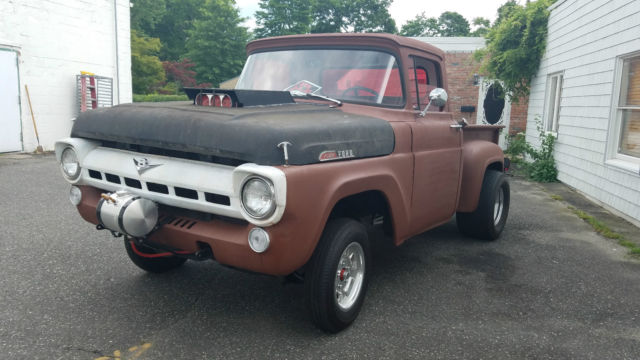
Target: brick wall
[(55, 40), (461, 91), (518, 122)]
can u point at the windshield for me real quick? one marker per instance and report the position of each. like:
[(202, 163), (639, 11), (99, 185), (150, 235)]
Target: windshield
[(350, 75)]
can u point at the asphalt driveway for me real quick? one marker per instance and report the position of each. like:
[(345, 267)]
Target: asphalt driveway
[(549, 288)]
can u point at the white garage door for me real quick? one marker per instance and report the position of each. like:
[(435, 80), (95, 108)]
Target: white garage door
[(9, 103)]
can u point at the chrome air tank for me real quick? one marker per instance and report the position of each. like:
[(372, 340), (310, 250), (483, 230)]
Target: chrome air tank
[(127, 213)]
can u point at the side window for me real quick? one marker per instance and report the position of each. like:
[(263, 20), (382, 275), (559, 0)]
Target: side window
[(426, 77), (554, 94), (628, 110)]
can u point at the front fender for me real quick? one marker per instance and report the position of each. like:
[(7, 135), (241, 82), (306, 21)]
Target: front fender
[(314, 190), (477, 156)]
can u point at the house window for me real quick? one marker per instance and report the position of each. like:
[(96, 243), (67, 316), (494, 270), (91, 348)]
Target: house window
[(628, 110), (554, 93)]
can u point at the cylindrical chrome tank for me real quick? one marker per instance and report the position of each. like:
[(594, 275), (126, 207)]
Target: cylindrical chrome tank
[(127, 213)]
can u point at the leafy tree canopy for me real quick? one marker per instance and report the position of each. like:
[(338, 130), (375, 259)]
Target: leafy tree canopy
[(206, 31), (453, 24), (515, 45), (506, 10), (145, 64), (481, 26), (447, 24), (283, 17), (167, 20), (179, 76), (216, 43), (421, 25), (286, 17), (145, 14)]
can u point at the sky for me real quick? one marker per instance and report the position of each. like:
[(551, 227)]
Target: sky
[(403, 10)]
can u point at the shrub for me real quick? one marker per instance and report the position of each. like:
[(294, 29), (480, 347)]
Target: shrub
[(542, 167), (158, 98)]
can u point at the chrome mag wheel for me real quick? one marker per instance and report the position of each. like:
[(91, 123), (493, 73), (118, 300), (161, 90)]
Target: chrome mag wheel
[(349, 276)]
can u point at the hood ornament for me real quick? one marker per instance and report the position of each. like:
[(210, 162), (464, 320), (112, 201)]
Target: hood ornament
[(142, 165), (284, 146)]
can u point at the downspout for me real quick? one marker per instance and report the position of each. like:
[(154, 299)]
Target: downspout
[(115, 15)]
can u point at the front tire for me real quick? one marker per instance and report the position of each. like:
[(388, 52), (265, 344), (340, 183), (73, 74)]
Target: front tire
[(338, 274), (145, 258), (490, 217)]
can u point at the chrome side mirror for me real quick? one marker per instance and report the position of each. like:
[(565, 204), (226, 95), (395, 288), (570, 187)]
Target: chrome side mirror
[(438, 97)]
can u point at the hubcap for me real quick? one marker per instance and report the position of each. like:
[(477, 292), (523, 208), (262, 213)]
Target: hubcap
[(349, 276), (498, 206)]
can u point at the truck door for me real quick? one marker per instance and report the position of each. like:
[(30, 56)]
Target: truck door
[(437, 149)]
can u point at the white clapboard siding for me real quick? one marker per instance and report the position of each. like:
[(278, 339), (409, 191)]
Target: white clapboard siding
[(585, 39)]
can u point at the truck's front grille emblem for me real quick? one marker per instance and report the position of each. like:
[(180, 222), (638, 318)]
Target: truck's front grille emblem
[(142, 165)]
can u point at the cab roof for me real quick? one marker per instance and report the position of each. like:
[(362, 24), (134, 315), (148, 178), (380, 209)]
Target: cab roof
[(389, 41)]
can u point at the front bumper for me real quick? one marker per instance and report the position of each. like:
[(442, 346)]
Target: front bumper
[(227, 239)]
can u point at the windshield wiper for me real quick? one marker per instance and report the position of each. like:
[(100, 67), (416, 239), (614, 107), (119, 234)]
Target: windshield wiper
[(297, 93)]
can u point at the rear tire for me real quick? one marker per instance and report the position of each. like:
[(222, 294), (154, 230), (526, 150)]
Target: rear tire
[(338, 274), (151, 264), (490, 217)]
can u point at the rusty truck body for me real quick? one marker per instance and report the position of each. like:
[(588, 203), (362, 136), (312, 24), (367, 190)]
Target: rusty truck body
[(324, 137)]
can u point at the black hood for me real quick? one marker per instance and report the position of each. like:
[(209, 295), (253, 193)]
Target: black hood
[(249, 134)]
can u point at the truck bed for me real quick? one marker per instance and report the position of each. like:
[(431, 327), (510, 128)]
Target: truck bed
[(482, 132)]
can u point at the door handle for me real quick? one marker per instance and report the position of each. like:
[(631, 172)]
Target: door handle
[(456, 126)]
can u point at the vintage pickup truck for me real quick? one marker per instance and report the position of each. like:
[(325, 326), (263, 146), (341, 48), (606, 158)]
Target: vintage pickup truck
[(324, 137)]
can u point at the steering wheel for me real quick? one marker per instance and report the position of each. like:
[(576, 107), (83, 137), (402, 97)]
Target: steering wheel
[(355, 90)]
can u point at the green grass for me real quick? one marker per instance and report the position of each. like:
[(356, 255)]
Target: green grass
[(627, 244), (158, 97), (557, 197), (605, 231)]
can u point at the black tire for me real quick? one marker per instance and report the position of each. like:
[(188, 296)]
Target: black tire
[(323, 276), (486, 222), (151, 264)]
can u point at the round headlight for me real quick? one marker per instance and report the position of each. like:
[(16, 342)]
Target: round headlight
[(258, 197), (69, 163)]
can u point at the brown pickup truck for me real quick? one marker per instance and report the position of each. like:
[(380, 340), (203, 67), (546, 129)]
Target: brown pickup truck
[(325, 137)]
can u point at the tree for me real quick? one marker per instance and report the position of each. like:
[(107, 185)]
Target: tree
[(216, 42), (482, 26), (283, 17), (173, 29), (453, 24), (371, 16), (146, 67), (330, 16), (146, 14), (448, 24), (421, 26), (506, 10), (515, 46), (179, 75)]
